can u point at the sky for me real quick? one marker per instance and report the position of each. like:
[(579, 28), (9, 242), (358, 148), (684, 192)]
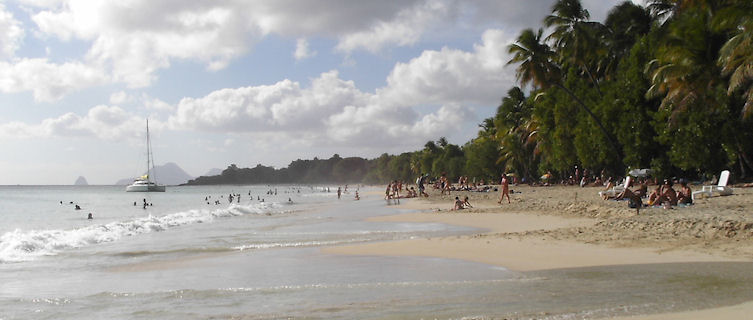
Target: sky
[(245, 82)]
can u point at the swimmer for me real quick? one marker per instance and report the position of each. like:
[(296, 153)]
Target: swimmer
[(90, 216)]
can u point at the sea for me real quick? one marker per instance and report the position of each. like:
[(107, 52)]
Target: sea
[(191, 253)]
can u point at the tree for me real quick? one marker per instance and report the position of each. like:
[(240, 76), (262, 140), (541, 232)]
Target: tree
[(576, 39), (736, 56), (625, 24), (536, 66)]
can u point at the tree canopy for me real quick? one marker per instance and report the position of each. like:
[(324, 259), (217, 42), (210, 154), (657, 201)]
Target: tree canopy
[(668, 86)]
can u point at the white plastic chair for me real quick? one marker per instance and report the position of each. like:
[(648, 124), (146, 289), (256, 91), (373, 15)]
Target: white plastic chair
[(721, 187), (616, 189)]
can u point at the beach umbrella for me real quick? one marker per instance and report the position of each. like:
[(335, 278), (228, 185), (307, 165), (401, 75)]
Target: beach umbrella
[(639, 173)]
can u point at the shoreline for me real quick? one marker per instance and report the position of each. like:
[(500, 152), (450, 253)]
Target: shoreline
[(568, 227), (516, 241)]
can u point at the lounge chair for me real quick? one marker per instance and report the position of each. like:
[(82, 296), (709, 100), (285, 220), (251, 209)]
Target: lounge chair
[(611, 193), (721, 188)]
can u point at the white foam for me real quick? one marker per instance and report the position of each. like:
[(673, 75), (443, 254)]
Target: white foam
[(23, 245)]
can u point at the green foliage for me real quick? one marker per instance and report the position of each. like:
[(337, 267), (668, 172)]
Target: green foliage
[(667, 86)]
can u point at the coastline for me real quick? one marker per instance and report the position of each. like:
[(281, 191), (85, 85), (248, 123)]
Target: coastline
[(567, 227)]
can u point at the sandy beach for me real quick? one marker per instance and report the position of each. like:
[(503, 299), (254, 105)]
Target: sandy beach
[(566, 227)]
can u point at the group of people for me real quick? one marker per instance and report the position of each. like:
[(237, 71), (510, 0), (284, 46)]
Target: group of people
[(395, 188), (445, 186), (663, 195), (340, 192), (461, 204)]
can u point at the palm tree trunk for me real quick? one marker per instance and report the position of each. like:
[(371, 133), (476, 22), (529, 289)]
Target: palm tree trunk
[(611, 139), (593, 80)]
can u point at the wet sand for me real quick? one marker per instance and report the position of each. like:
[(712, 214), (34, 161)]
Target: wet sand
[(566, 227)]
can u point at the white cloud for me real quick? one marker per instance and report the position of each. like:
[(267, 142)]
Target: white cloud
[(102, 122), (331, 111), (281, 106), (48, 81), (136, 38), (404, 29), (119, 97), (156, 104), (302, 50), (11, 33), (452, 75)]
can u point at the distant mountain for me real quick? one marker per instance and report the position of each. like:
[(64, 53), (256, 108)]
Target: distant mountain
[(81, 181), (213, 172), (168, 174)]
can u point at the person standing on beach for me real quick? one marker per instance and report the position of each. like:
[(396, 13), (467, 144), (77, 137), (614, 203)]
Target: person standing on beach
[(420, 182), (505, 189), (339, 192)]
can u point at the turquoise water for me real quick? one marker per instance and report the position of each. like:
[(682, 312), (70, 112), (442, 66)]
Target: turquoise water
[(182, 258)]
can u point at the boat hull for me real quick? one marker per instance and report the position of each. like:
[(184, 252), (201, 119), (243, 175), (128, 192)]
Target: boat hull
[(145, 188)]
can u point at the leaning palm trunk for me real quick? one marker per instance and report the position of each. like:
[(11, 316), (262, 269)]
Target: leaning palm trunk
[(611, 139)]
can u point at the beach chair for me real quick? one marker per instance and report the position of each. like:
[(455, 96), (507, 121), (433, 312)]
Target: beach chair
[(721, 187), (611, 193)]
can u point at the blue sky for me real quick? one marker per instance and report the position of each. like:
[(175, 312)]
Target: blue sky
[(244, 82)]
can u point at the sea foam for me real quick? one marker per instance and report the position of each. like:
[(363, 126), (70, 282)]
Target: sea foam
[(24, 245)]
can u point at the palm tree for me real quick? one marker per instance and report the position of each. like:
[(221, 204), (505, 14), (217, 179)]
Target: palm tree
[(736, 56), (624, 24), (517, 133), (576, 39), (685, 71), (536, 66)]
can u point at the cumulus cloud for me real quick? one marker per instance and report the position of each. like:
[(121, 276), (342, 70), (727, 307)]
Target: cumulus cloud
[(48, 81), (302, 50), (329, 111), (119, 97), (452, 75), (130, 41), (404, 29), (284, 105), (103, 122), (11, 33)]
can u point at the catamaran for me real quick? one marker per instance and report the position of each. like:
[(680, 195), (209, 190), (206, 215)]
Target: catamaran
[(145, 183)]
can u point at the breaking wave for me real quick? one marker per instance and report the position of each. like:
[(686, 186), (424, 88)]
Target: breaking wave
[(24, 245)]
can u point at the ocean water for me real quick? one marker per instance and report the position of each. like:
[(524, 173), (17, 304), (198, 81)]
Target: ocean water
[(185, 257)]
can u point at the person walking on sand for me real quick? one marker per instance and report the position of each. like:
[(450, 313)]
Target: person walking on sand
[(339, 192), (505, 189)]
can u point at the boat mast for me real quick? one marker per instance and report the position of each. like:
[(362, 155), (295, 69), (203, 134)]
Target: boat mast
[(148, 153), (150, 156)]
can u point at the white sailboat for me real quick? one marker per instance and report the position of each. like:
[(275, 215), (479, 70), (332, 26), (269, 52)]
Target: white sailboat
[(145, 183)]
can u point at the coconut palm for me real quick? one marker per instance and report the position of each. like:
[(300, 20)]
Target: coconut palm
[(624, 24), (517, 134), (685, 71), (536, 66), (576, 39), (736, 56)]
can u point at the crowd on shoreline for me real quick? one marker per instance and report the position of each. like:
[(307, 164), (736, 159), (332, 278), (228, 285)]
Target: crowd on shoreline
[(635, 191)]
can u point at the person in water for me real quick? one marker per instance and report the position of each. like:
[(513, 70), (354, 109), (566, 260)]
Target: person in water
[(90, 216), (78, 208)]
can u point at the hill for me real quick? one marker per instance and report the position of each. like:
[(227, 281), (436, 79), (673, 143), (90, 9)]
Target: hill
[(167, 174), (81, 181)]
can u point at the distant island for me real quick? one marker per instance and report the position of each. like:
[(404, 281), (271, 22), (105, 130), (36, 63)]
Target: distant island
[(81, 181)]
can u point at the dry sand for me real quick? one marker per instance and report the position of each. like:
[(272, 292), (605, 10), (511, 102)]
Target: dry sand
[(563, 227)]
